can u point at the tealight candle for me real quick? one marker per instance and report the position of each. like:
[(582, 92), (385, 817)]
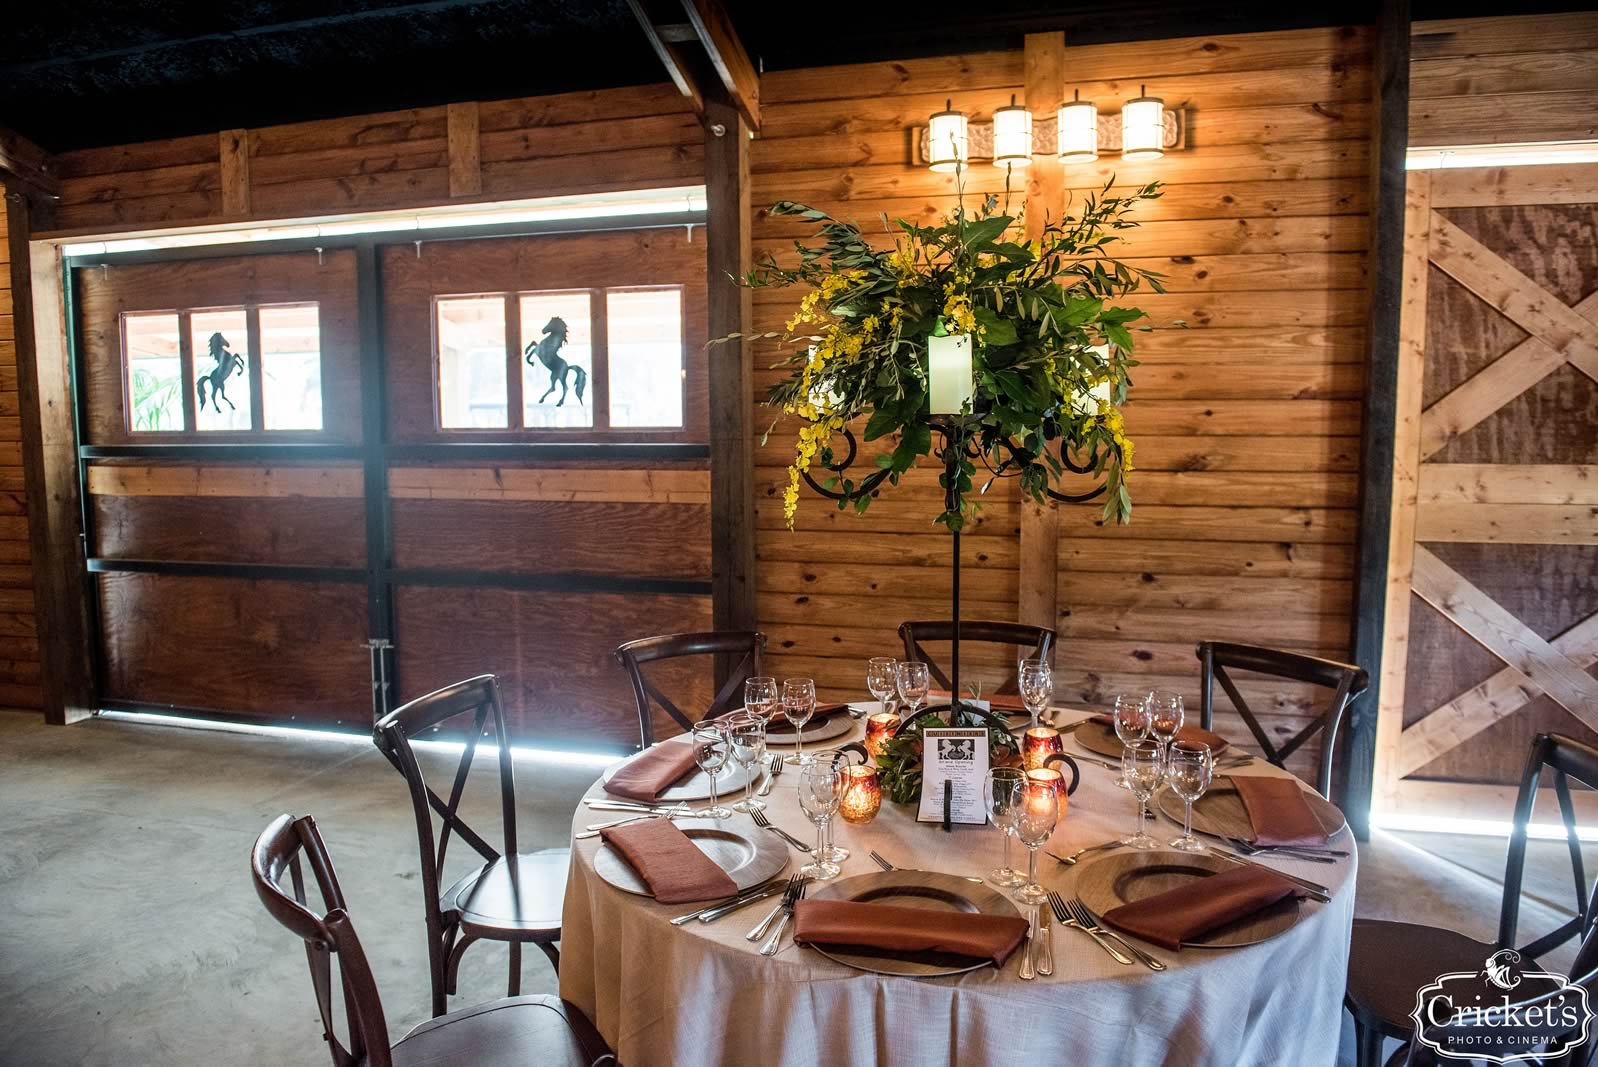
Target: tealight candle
[(879, 728), (1043, 781), (862, 794), (1037, 744)]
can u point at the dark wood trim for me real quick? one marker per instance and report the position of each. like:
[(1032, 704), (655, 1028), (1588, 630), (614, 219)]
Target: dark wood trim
[(515, 408), (287, 572), (254, 368), (1379, 407), (732, 474), (24, 164), (63, 605), (191, 415), (450, 577)]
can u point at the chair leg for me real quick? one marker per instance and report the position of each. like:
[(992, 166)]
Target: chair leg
[(439, 954), (515, 985), (1367, 1045), (554, 955), (455, 961)]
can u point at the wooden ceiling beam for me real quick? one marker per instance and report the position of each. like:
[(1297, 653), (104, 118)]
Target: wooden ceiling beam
[(733, 66), (27, 163), (664, 38)]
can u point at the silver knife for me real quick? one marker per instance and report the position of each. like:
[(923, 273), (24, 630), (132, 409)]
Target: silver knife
[(750, 892), (742, 902), (1045, 943), (1027, 949), (1315, 889)]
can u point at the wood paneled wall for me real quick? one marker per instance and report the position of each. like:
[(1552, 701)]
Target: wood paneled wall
[(19, 641), (1505, 80)]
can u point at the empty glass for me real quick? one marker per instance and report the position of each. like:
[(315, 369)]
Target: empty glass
[(1132, 723), (1037, 687), (881, 680), (831, 852), (798, 704), (746, 732), (820, 787), (760, 697), (1035, 818), (710, 752), (913, 683), (1142, 763), (1004, 796), (1165, 715), (1188, 768)]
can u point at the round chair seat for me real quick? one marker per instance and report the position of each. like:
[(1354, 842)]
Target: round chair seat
[(517, 898), (513, 1032), (1388, 963)]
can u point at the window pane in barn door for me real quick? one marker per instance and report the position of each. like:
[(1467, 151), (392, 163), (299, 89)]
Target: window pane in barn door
[(557, 360), (291, 367), (155, 372), (644, 338), (471, 363), (221, 369)]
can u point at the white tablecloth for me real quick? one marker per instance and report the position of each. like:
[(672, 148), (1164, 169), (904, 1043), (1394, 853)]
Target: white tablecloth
[(700, 994)]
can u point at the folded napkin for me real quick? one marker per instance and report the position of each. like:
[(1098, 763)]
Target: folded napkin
[(996, 702), (894, 929), (1167, 919), (1278, 811), (646, 776), (1193, 735), (823, 712), (673, 867)]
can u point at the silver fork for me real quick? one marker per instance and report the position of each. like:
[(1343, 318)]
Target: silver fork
[(789, 899), (1315, 855), (1066, 918), (773, 769), (1071, 859), (879, 861), (1090, 924), (765, 924), (765, 824)]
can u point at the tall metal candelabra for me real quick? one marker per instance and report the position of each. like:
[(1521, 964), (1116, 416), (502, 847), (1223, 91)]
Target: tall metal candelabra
[(956, 443)]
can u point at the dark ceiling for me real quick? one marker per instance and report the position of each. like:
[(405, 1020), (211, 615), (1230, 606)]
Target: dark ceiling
[(91, 72)]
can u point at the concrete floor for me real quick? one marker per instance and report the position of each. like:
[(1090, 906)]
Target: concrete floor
[(129, 933)]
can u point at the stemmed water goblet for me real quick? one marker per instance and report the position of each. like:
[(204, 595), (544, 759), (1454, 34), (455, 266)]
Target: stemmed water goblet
[(1003, 789), (1035, 819), (760, 697), (881, 680), (798, 704), (1143, 764), (710, 752), (1037, 687), (913, 682), (820, 788), (1133, 720), (829, 851), (1189, 768), (746, 732), (1165, 716)]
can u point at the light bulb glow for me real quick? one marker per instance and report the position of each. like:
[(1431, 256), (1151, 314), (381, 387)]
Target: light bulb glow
[(947, 141), (1143, 128), (1012, 136), (1078, 132)]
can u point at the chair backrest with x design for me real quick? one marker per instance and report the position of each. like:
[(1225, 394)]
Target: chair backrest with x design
[(1037, 641), (475, 697), (279, 850), (1566, 759), (743, 649), (1346, 681)]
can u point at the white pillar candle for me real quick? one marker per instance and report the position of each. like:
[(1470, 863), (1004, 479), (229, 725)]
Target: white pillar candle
[(949, 372)]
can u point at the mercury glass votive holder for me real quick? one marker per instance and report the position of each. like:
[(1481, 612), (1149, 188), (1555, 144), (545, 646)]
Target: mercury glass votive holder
[(1038, 743), (879, 728), (862, 794), (1042, 779)]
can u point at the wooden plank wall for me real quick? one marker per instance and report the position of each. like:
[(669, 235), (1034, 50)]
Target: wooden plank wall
[(19, 641), (1504, 80)]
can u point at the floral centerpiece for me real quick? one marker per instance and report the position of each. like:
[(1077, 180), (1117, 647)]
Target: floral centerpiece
[(899, 764), (1050, 359)]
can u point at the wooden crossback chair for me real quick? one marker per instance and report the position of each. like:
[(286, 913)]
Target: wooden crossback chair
[(1346, 681), (1389, 961), (748, 645), (536, 1029), (512, 896), (1038, 640)]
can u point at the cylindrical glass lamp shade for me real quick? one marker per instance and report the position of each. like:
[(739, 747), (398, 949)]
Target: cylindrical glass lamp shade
[(1078, 132), (1012, 136), (1143, 128), (949, 372), (946, 141)]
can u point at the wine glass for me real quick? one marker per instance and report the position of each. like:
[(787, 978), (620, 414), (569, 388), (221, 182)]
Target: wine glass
[(1004, 796), (829, 851), (746, 732), (913, 683), (1188, 768), (760, 697), (881, 680), (1035, 817), (798, 704), (1165, 715), (710, 752), (1143, 764), (1037, 687), (820, 788), (1133, 721)]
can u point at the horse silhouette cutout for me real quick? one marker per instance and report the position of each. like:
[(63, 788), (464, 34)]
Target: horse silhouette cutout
[(227, 361), (547, 352)]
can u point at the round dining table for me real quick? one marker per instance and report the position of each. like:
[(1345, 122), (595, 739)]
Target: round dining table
[(700, 993)]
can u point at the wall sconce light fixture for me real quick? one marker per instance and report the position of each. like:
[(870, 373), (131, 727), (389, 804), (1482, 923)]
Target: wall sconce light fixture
[(1012, 136), (948, 145), (1078, 131)]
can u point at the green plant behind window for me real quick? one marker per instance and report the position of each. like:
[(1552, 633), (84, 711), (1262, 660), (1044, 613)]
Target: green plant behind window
[(153, 396)]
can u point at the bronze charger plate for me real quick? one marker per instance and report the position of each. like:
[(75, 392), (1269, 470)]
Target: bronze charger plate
[(730, 780), (937, 893), (779, 731), (1125, 877), (1100, 738), (1220, 811), (749, 858)]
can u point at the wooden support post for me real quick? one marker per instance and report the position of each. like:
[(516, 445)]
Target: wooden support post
[(732, 389), (1378, 411), (62, 593), (235, 163), (465, 151), (1038, 603)]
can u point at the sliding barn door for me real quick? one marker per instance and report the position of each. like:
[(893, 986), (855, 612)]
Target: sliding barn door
[(1493, 609)]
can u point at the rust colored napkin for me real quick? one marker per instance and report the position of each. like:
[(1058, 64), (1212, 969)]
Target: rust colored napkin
[(996, 702), (883, 926), (673, 867), (646, 776), (1278, 811), (1193, 735), (823, 712), (1167, 919)]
